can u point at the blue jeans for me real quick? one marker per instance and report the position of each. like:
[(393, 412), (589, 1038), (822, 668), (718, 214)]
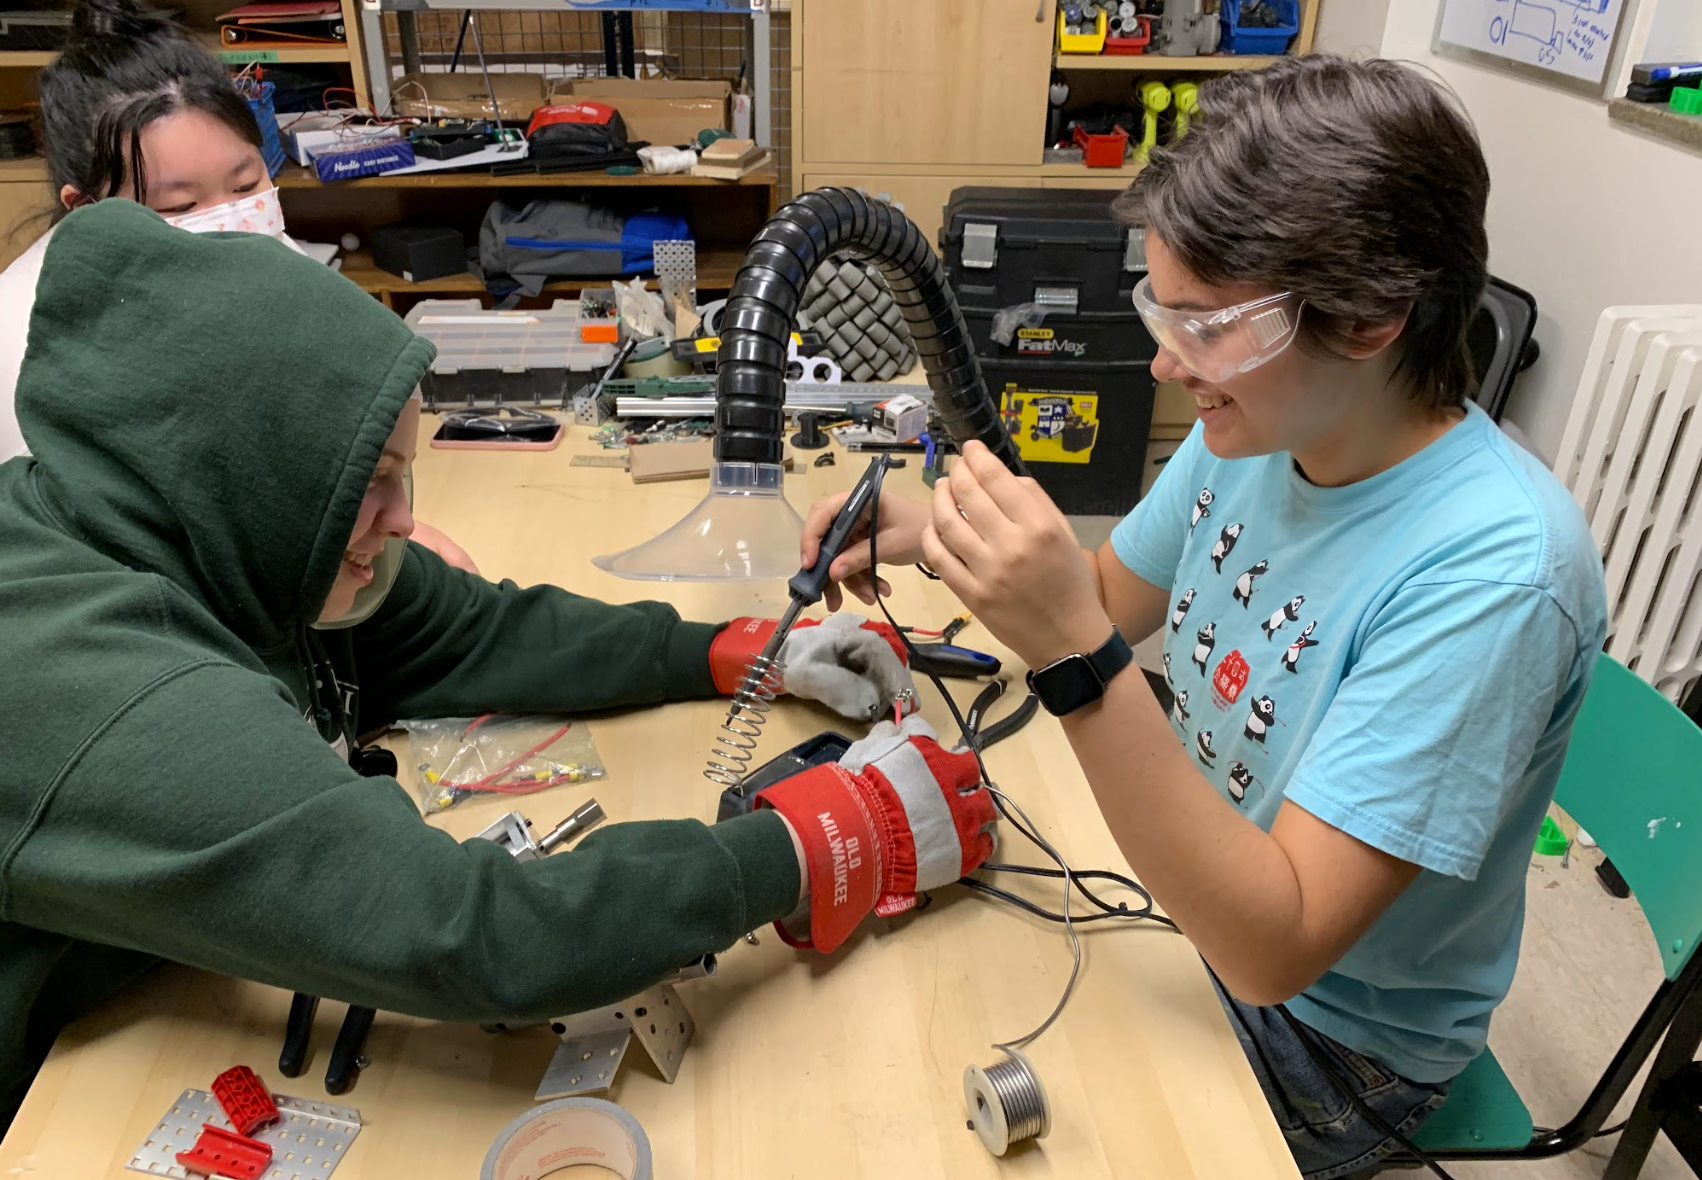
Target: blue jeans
[(1328, 1136)]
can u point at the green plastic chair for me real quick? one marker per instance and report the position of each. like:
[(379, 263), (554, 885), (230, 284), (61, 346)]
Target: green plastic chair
[(1633, 778)]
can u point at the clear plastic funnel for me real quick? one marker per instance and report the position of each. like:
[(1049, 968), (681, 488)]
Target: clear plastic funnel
[(743, 530)]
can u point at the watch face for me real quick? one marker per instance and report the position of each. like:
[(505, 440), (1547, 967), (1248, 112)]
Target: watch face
[(1067, 685)]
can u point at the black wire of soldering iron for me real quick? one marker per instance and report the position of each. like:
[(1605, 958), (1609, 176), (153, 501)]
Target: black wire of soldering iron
[(1107, 910)]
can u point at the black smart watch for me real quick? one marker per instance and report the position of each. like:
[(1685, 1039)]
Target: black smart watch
[(1078, 679)]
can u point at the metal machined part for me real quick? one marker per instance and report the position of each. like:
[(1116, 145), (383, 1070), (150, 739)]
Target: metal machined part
[(594, 1043)]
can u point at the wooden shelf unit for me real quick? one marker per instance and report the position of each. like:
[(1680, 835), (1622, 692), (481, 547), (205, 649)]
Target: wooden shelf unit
[(293, 177), (1152, 63), (715, 271), (278, 53)]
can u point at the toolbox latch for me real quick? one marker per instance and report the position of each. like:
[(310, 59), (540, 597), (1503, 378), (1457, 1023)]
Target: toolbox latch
[(980, 246), (1064, 299)]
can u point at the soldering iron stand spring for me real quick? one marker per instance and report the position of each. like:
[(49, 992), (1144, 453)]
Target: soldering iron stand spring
[(1006, 1102), (735, 741)]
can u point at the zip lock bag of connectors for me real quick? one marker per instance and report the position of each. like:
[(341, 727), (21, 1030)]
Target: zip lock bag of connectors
[(497, 756)]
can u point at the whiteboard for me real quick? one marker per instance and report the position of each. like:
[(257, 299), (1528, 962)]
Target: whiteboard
[(1569, 42)]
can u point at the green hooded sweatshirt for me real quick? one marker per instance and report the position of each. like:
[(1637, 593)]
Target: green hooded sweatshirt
[(205, 412)]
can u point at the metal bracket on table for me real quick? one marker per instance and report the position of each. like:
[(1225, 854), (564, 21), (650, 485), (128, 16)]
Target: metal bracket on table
[(593, 1044)]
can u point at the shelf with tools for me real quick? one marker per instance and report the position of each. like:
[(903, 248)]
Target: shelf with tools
[(273, 53), (1158, 63), (304, 178), (715, 270)]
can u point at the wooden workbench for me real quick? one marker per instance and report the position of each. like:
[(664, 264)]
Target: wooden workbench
[(804, 1065)]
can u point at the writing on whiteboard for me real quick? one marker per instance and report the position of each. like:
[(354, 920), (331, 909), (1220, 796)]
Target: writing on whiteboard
[(1571, 37)]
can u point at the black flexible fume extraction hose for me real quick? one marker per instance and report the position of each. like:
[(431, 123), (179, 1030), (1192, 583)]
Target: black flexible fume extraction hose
[(750, 375)]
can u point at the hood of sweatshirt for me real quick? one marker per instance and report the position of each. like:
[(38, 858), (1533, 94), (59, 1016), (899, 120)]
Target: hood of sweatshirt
[(190, 421)]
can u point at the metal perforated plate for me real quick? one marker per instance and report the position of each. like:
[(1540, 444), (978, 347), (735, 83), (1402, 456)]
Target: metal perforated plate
[(584, 1064), (307, 1143)]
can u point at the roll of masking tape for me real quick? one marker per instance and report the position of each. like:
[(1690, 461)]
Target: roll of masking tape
[(567, 1132)]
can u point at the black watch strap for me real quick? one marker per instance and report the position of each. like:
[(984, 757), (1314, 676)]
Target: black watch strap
[(1079, 679)]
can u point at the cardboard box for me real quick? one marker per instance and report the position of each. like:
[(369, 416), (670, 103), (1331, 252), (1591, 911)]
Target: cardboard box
[(658, 110), (464, 96)]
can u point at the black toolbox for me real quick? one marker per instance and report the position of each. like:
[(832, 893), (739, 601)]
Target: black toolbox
[(1074, 376)]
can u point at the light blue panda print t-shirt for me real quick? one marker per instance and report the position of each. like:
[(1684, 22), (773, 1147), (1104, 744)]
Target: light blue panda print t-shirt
[(1402, 658)]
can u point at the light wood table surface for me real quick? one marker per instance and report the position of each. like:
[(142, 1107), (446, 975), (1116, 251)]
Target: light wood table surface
[(804, 1066)]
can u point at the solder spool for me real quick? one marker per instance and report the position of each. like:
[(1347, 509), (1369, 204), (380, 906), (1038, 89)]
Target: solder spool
[(1007, 1103)]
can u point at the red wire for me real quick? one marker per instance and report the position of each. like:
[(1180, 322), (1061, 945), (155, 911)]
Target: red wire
[(490, 782)]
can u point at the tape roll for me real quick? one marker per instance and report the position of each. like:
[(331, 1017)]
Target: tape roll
[(565, 1133)]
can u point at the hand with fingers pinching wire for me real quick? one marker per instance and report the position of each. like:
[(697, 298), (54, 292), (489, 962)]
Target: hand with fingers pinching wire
[(1003, 547), (895, 816)]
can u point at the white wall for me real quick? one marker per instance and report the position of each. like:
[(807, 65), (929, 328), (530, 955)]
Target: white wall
[(1583, 213), (1675, 32), (1352, 28)]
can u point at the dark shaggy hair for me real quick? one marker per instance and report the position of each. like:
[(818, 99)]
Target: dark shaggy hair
[(120, 70), (1359, 186)]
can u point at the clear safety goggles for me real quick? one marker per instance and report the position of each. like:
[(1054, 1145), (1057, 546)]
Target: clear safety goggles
[(1217, 345)]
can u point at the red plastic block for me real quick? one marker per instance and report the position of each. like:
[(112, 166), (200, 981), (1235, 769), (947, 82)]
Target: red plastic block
[(247, 1102), (219, 1152)]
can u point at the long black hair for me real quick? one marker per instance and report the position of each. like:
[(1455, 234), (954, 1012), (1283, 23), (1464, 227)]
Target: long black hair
[(121, 69)]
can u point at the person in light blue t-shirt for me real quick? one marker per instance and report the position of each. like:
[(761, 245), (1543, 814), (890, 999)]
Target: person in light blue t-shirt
[(1379, 616)]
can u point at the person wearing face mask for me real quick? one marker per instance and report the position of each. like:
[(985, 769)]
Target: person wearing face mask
[(1379, 616), (130, 86), (199, 618)]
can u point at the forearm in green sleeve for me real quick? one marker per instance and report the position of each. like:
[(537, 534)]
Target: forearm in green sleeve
[(268, 859), (447, 643)]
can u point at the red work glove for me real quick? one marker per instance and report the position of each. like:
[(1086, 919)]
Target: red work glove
[(897, 815), (855, 667)]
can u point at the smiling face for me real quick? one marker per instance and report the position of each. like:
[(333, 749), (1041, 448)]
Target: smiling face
[(384, 513), (1289, 403)]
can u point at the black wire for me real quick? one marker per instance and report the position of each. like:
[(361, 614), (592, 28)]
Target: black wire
[(1613, 1130), (1316, 1053), (1040, 911), (455, 59), (1075, 876)]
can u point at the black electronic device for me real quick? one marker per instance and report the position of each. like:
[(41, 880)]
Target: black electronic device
[(1073, 377), (823, 748), (419, 252), (434, 143)]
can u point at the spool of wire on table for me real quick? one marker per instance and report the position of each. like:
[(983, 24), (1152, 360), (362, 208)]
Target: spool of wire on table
[(1006, 1102)]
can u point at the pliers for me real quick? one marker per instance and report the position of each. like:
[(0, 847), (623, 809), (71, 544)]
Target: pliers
[(985, 735)]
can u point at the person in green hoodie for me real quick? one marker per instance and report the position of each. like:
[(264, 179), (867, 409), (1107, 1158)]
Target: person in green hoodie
[(175, 715)]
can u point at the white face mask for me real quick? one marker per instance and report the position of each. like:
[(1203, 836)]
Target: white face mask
[(258, 213)]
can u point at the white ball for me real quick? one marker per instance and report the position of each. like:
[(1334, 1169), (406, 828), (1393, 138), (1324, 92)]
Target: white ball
[(351, 242)]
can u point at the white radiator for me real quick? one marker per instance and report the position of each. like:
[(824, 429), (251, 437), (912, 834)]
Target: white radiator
[(1632, 456)]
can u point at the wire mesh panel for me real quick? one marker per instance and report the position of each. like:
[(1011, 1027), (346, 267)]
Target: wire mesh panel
[(570, 44), (780, 96)]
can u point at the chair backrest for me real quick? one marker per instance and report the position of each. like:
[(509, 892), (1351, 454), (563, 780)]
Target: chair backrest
[(1499, 336), (1633, 779)]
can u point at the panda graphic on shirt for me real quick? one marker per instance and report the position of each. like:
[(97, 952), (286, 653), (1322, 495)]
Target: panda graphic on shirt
[(1202, 508), (1250, 661)]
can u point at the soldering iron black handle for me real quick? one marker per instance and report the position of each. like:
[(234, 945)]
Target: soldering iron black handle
[(750, 374), (807, 584)]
